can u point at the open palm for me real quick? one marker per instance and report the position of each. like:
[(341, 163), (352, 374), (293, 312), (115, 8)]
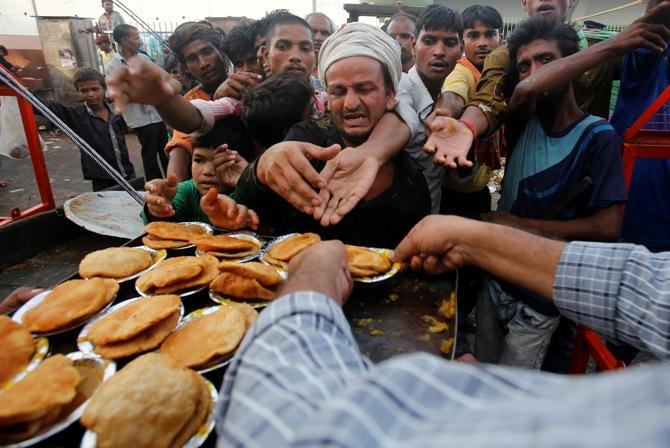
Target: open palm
[(349, 177)]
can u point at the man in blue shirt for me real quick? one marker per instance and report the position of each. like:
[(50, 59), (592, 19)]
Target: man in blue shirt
[(645, 74), (559, 146)]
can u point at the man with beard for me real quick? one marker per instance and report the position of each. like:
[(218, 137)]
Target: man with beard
[(558, 148), (349, 174), (486, 111), (361, 67), (402, 28), (322, 29)]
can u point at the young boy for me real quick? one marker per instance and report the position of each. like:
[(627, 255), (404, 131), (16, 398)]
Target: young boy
[(198, 199), (97, 123)]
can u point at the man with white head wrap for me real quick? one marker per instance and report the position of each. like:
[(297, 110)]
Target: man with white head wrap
[(361, 68)]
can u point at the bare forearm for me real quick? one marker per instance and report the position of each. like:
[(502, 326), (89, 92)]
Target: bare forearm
[(180, 114), (526, 260), (452, 104), (475, 116), (583, 229), (388, 138), (556, 75), (178, 163)]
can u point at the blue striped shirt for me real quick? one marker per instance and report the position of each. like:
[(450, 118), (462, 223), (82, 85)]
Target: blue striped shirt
[(299, 378)]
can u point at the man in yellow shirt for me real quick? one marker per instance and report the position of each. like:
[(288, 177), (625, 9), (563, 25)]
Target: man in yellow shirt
[(481, 35)]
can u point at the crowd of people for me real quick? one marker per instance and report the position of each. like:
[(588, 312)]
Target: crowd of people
[(371, 136)]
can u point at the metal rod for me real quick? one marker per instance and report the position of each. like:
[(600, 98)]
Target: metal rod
[(618, 8), (13, 84)]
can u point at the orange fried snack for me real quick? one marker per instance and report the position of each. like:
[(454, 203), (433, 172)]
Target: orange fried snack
[(265, 275), (46, 389), (239, 287), (364, 262), (18, 347), (158, 244), (226, 246), (142, 342), (208, 338), (133, 319), (70, 303), (281, 253), (115, 262), (151, 402), (174, 231)]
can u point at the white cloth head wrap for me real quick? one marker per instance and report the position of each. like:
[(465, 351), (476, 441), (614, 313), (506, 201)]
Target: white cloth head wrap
[(361, 39)]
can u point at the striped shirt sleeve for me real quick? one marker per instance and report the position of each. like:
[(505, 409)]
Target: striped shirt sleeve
[(621, 291), (211, 111), (301, 353)]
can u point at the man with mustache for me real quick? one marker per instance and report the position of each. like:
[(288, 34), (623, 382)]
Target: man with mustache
[(436, 48), (486, 111), (361, 68), (482, 27), (322, 29)]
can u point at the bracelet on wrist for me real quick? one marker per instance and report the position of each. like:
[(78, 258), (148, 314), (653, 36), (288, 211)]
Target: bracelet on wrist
[(470, 125)]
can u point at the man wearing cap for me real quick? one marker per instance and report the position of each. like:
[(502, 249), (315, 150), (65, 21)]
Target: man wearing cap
[(361, 68)]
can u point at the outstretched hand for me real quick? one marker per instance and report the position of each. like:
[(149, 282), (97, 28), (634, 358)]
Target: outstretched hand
[(237, 84), (285, 169), (141, 82), (229, 166), (159, 195), (227, 214), (449, 142), (432, 245), (349, 177), (651, 31)]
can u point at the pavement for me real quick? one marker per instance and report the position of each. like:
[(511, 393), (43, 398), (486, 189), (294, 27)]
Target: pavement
[(64, 167)]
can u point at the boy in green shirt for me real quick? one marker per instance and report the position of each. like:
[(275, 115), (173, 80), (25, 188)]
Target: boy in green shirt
[(198, 199)]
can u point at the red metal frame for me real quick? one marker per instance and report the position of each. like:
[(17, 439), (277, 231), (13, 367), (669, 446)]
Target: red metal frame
[(37, 157), (639, 142)]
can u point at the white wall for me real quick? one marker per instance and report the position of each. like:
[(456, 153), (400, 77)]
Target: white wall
[(16, 18)]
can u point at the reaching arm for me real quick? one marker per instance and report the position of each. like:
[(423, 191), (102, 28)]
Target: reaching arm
[(143, 82), (441, 243), (554, 76), (603, 225), (388, 138), (450, 104), (178, 163)]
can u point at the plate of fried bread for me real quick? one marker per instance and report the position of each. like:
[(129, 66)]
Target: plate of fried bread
[(253, 283), (120, 263), (69, 305), (151, 402), (50, 398), (178, 275), (239, 247), (174, 235), (20, 353), (279, 251), (132, 327), (207, 338), (370, 264)]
